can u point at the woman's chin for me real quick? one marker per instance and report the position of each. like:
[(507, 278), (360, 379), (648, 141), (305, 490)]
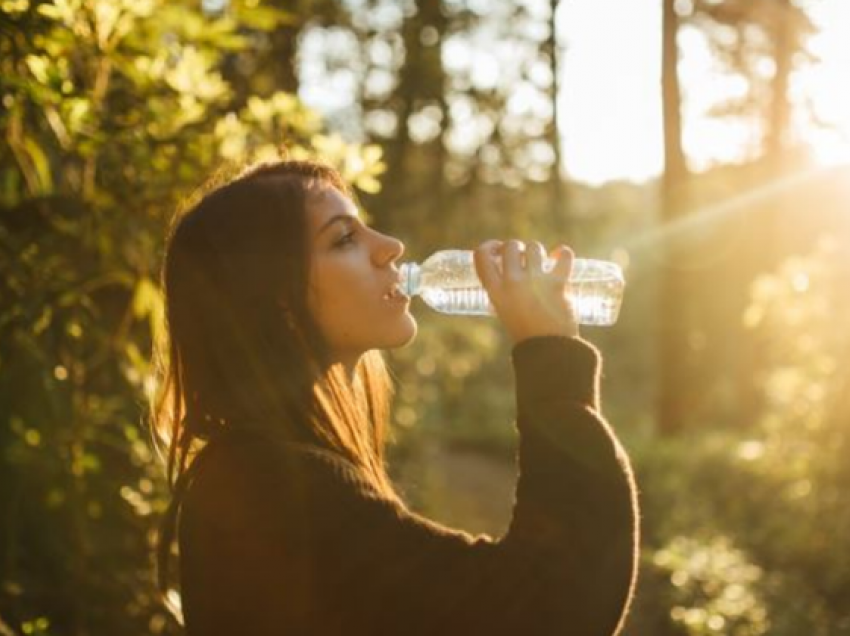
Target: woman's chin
[(406, 334)]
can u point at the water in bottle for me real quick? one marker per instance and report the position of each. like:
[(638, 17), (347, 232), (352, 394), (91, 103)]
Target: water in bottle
[(447, 282)]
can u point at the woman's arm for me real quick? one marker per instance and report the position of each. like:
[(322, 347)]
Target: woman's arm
[(574, 473), (567, 563)]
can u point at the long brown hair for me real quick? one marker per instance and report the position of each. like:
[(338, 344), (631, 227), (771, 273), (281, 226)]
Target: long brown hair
[(240, 351)]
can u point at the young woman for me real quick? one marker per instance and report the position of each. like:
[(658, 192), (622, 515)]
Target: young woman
[(276, 399)]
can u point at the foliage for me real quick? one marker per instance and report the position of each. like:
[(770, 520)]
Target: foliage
[(714, 587), (780, 489), (114, 111)]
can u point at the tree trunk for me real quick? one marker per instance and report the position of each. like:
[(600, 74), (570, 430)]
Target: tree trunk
[(284, 50), (673, 380), (397, 181), (780, 112), (777, 142), (559, 212)]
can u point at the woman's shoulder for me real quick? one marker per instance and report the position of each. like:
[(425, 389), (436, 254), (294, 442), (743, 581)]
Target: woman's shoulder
[(239, 468), (278, 457)]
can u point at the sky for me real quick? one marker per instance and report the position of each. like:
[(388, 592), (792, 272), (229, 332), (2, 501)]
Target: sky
[(610, 107), (610, 102), (612, 70)]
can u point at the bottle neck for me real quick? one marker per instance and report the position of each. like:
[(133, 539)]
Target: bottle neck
[(410, 278)]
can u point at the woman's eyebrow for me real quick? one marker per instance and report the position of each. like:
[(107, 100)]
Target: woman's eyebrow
[(344, 218)]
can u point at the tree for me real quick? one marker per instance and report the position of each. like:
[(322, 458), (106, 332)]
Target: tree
[(674, 381), (559, 194), (458, 98), (274, 29), (115, 111), (764, 43)]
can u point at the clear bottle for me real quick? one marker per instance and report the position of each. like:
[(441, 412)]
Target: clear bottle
[(447, 282)]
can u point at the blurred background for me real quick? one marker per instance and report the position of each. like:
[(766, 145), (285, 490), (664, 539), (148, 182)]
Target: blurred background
[(701, 144)]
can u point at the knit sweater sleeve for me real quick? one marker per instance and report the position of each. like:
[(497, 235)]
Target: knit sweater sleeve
[(566, 565)]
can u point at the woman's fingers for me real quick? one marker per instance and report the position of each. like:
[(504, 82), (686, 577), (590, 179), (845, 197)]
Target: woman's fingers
[(512, 266), (512, 261), (534, 256), (564, 262), (528, 300)]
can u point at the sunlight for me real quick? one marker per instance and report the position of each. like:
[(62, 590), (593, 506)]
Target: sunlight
[(822, 85), (611, 104), (695, 220), (612, 128)]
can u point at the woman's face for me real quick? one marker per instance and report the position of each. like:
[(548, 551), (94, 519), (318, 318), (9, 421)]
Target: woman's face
[(353, 268)]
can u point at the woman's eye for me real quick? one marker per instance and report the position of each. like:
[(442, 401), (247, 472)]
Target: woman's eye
[(347, 238)]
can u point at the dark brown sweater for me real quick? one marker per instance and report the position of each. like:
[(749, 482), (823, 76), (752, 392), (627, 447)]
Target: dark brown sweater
[(296, 542)]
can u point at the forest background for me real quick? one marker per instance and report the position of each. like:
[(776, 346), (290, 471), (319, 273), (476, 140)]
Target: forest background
[(724, 374)]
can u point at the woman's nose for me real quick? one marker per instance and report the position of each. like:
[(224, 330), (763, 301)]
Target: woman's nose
[(390, 249)]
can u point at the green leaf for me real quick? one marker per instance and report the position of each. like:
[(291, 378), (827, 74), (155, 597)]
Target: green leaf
[(41, 165), (368, 184), (76, 111), (147, 299), (43, 321), (38, 65), (264, 18), (14, 7), (50, 11)]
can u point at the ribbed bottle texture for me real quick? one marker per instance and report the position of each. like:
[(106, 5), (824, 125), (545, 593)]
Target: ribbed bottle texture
[(447, 282)]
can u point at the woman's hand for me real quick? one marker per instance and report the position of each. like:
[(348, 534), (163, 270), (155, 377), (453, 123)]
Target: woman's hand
[(528, 301)]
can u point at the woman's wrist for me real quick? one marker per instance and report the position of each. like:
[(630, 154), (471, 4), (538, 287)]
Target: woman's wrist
[(546, 366)]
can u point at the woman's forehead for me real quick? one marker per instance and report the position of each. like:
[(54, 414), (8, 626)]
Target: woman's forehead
[(327, 204)]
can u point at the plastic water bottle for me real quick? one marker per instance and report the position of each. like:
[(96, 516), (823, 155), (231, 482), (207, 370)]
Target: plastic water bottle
[(447, 282)]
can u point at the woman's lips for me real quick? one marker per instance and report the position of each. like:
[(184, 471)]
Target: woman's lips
[(395, 295)]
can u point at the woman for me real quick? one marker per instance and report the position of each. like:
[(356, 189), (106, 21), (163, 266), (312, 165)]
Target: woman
[(279, 299)]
